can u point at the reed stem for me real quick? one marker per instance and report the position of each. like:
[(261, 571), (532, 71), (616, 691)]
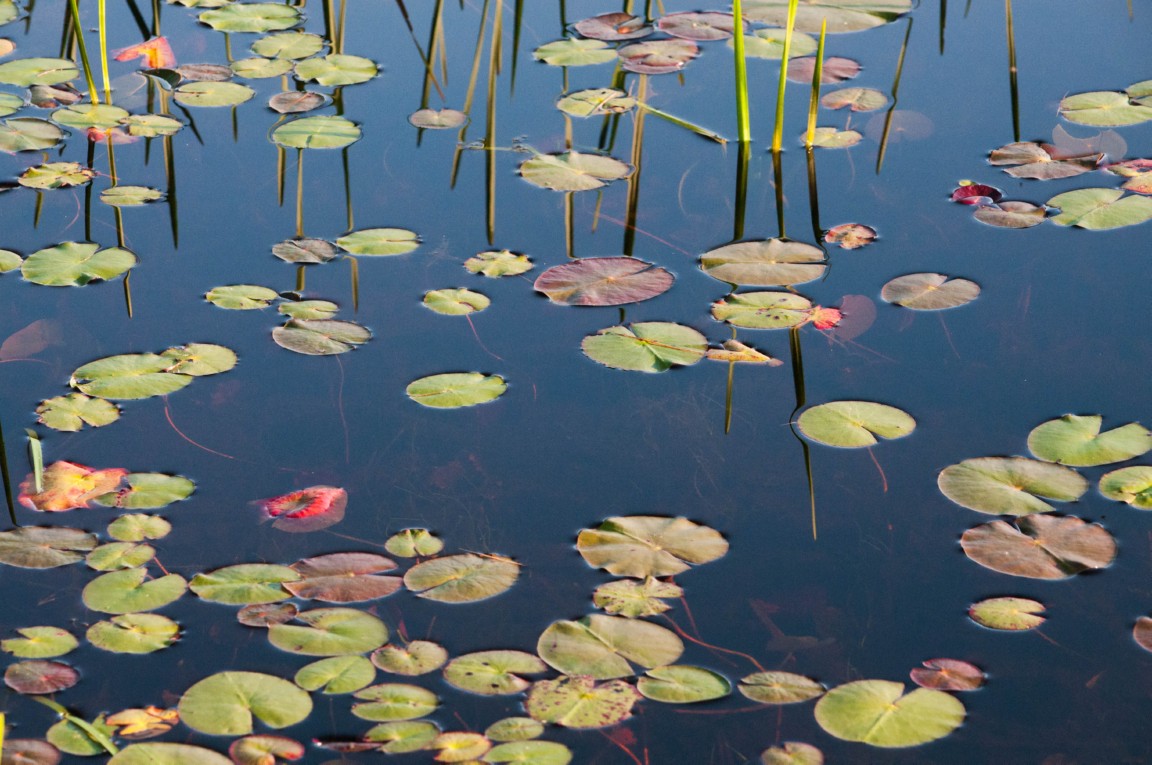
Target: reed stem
[(778, 129)]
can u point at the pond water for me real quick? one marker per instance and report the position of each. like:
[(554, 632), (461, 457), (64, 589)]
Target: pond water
[(844, 564)]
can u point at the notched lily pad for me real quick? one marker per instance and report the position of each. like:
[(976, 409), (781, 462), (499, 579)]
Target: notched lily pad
[(1009, 485), (336, 675), (241, 297), (948, 675), (1132, 485), (653, 346), (227, 703), (326, 132), (134, 633), (75, 410), (574, 52), (779, 687), (681, 684), (38, 676), (497, 263), (573, 171), (438, 119), (1040, 546), (40, 643), (56, 175), (1010, 214), (658, 56), (213, 93), (330, 632), (878, 712), (74, 264), (419, 657), (321, 337), (596, 102), (456, 389), (337, 69), (853, 424), (379, 241), (244, 584), (347, 577), (493, 673), (634, 599), (768, 262), (251, 17), (601, 646), (455, 302), (411, 543), (1077, 441), (579, 702), (1100, 209), (44, 546), (613, 27), (130, 591), (393, 702)]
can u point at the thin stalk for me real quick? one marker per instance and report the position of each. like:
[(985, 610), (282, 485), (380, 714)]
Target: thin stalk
[(778, 129), (679, 122), (79, 32), (354, 271), (895, 90), (814, 204), (299, 193), (88, 193), (280, 175), (814, 98), (156, 18), (494, 48), (743, 153), (632, 205), (37, 209), (778, 184), (342, 26), (569, 225), (943, 21), (728, 398), (517, 24), (1013, 86), (103, 25), (349, 216), (743, 123), (128, 292), (7, 479)]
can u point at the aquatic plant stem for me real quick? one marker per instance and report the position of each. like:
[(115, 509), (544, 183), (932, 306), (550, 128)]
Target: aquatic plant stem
[(103, 27), (728, 398), (632, 204), (182, 434), (801, 398), (814, 97), (7, 477), (89, 730), (740, 203), (79, 34), (299, 193), (354, 271), (697, 129), (1013, 85), (778, 128), (743, 122)]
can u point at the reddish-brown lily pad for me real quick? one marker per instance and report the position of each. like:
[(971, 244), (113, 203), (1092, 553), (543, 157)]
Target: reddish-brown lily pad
[(347, 577), (30, 751), (1040, 546), (264, 750), (603, 281), (698, 25), (835, 69), (40, 677), (658, 56), (1142, 633), (948, 675), (613, 26), (69, 486)]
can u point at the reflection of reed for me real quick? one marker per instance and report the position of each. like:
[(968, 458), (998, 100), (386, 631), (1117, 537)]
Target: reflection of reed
[(801, 397), (7, 479), (637, 157), (892, 107), (1012, 84), (743, 153)]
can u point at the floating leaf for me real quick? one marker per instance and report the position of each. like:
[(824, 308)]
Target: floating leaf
[(1142, 633), (143, 723), (330, 632), (26, 72), (853, 424), (601, 646), (835, 69), (1132, 485), (458, 746), (574, 52), (119, 555), (462, 578), (213, 93), (1009, 485), (948, 675), (224, 704), (311, 509), (578, 702), (348, 577), (39, 677), (769, 262), (418, 657), (155, 53), (44, 546), (455, 302), (244, 584), (492, 673), (530, 753), (438, 119), (850, 236), (635, 599), (134, 633), (498, 263), (151, 125), (304, 251), (200, 359), (327, 132), (402, 736), (290, 45), (40, 643), (264, 614), (596, 102), (1010, 215), (613, 26), (126, 592), (337, 674), (514, 729), (834, 138), (30, 751), (1100, 209), (28, 134), (76, 264), (698, 25), (261, 68), (968, 193), (878, 712), (52, 96), (251, 17), (456, 389), (769, 44), (264, 750), (734, 351), (162, 753), (10, 103), (128, 376), (337, 69), (658, 56), (841, 15), (93, 738), (379, 241), (603, 282), (856, 99), (9, 261), (83, 116), (646, 545), (573, 171), (653, 346), (296, 101), (146, 491), (411, 543), (779, 687), (130, 196), (1027, 159), (57, 175), (1040, 546), (68, 486), (136, 527), (75, 410), (681, 684), (393, 702), (241, 297), (308, 309), (792, 753), (321, 337), (1103, 108), (1077, 441)]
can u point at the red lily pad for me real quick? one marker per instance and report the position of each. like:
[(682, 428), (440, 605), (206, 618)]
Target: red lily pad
[(658, 56), (266, 614), (40, 677), (976, 194), (698, 25), (153, 54), (69, 486), (613, 26), (948, 675), (30, 751), (835, 69), (603, 281), (264, 750), (1040, 546), (1142, 633), (851, 236), (347, 577), (311, 509)]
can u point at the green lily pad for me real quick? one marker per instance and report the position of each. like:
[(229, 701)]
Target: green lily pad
[(151, 125), (853, 424), (76, 264), (379, 241), (419, 657), (261, 68), (289, 45), (601, 646), (575, 52), (1100, 209), (402, 736), (459, 746), (226, 703), (44, 546), (56, 175), (652, 346), (251, 17), (768, 43), (200, 359), (929, 292), (456, 389), (493, 673), (70, 738), (835, 138), (1076, 440), (128, 376), (241, 297), (1009, 485), (1103, 108), (304, 251), (330, 632), (10, 103), (596, 102), (130, 196), (134, 633), (147, 491), (763, 310), (792, 753), (244, 584), (1013, 614), (411, 543), (842, 15), (127, 592), (645, 545), (136, 527), (437, 119), (317, 133), (681, 684), (530, 753), (26, 72), (462, 578), (320, 337), (578, 702), (214, 93), (603, 282), (162, 753), (119, 555), (455, 302), (84, 116), (336, 674), (779, 687), (40, 643), (1040, 546), (28, 134), (573, 171), (878, 712), (347, 577), (394, 702), (1132, 485), (498, 263), (856, 99), (75, 410), (634, 599), (337, 69)]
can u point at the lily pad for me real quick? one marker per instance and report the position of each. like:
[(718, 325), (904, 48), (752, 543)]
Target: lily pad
[(1103, 108), (653, 346), (10, 103), (456, 389), (264, 614), (27, 72), (9, 261), (459, 746), (128, 376), (578, 702), (126, 592), (296, 101), (244, 584), (44, 546), (419, 657), (84, 116), (136, 527), (792, 753), (645, 545), (321, 337), (264, 750), (681, 684), (1010, 214), (411, 543), (856, 99), (290, 45), (31, 751), (842, 15), (852, 424), (40, 643), (347, 577), (658, 56), (200, 359), (498, 263), (70, 738), (146, 491), (163, 753), (1040, 546), (634, 599), (227, 703), (455, 302), (134, 633), (596, 102), (603, 282), (337, 674), (251, 17), (261, 68), (850, 236), (462, 578), (57, 175), (613, 27), (75, 410), (39, 676), (402, 736), (601, 646), (304, 251), (835, 69), (241, 297), (337, 69), (438, 119), (130, 196), (28, 134), (530, 753), (574, 52), (1132, 485), (769, 262), (379, 241), (698, 25), (214, 93), (76, 264), (151, 125), (493, 673), (1077, 441), (1009, 485), (779, 687), (1100, 209), (514, 729), (948, 675), (1013, 614), (119, 555), (1142, 633), (328, 132), (768, 43), (878, 712), (834, 138), (203, 73), (393, 702), (68, 486), (573, 171), (1028, 159), (330, 632)]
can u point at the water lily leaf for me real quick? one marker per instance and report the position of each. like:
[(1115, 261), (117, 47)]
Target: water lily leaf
[(652, 346), (633, 599), (379, 241), (200, 359), (948, 675), (75, 410), (347, 577), (394, 702), (204, 73), (770, 262), (1132, 485), (1103, 108), (645, 545), (458, 746), (40, 643), (337, 69), (128, 376), (438, 119), (574, 52), (835, 69), (225, 704), (10, 103), (462, 578), (327, 132), (842, 15), (337, 674), (682, 684), (68, 486), (330, 632), (118, 555), (1007, 613), (850, 236), (264, 614), (26, 72), (1099, 209), (310, 509), (856, 99), (130, 196), (214, 93), (261, 68), (411, 543), (613, 26), (70, 738), (530, 753), (779, 687), (573, 171), (136, 527), (296, 101), (1142, 633), (578, 702), (596, 102), (321, 337), (493, 673), (148, 722), (1028, 159), (456, 389), (44, 546), (38, 676), (290, 45), (1040, 546), (30, 751), (1009, 485), (9, 261), (244, 584), (76, 264), (304, 251), (403, 736), (514, 729), (853, 424), (57, 175), (134, 633), (309, 309), (734, 351), (146, 491), (834, 138), (603, 281), (419, 657), (84, 116), (601, 646), (162, 753), (455, 302), (251, 17), (792, 753), (878, 712), (28, 134), (768, 43), (498, 263), (127, 592), (52, 96), (1010, 214), (699, 25), (264, 750), (241, 297), (658, 56), (151, 125), (1076, 440)]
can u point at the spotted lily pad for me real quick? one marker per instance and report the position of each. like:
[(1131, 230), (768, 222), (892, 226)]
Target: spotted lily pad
[(418, 657), (392, 702), (613, 27), (573, 171), (456, 389), (402, 736), (681, 684), (28, 134), (241, 297), (213, 93), (57, 175), (948, 675), (244, 584), (337, 674), (1132, 485), (44, 546), (492, 673), (514, 729), (878, 712), (455, 302), (146, 491), (1076, 440), (658, 56), (1040, 546), (379, 241), (459, 746), (251, 17), (26, 72), (462, 578), (602, 646), (653, 346), (779, 687), (346, 577), (227, 703), (134, 633), (130, 591), (842, 15), (574, 52), (853, 424), (603, 282), (40, 643), (645, 545), (634, 599), (1009, 485), (328, 132), (330, 632), (75, 410), (337, 69), (578, 702), (321, 337), (1012, 614), (1100, 209)]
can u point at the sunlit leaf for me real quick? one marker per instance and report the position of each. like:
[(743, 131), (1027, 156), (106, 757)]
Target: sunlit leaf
[(853, 424), (68, 486), (26, 72), (492, 673), (40, 643), (393, 702), (653, 346), (58, 175), (76, 264), (130, 196), (514, 729), (9, 261), (578, 702), (290, 45), (573, 171), (127, 591), (530, 753), (438, 119), (457, 746), (768, 43), (455, 302), (633, 599), (1132, 485), (213, 93), (878, 712), (321, 337), (658, 56), (419, 657), (698, 25), (682, 684), (147, 722), (70, 738), (1103, 108), (82, 116), (841, 15), (1077, 441), (1009, 485), (118, 555), (456, 389), (226, 703), (146, 491), (769, 262), (379, 241), (613, 26), (462, 578), (264, 750), (336, 674), (39, 676), (850, 236), (330, 632), (261, 68), (134, 633), (402, 736), (1099, 209), (856, 99), (411, 543), (75, 410), (1040, 546), (28, 134), (337, 69), (151, 125), (241, 297), (596, 102), (136, 527), (163, 753), (603, 281), (948, 675), (328, 132), (601, 646), (10, 103), (779, 687), (346, 577), (645, 545), (251, 17), (574, 52), (44, 546), (154, 53), (244, 584)]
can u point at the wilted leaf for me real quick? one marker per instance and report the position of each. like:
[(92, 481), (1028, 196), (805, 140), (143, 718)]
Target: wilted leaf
[(491, 673), (68, 486), (39, 677), (578, 702), (347, 577)]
